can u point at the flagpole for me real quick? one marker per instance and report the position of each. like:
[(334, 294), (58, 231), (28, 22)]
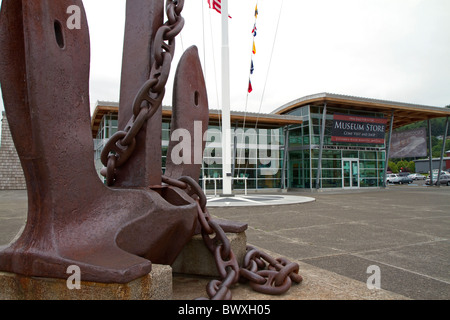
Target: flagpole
[(226, 117)]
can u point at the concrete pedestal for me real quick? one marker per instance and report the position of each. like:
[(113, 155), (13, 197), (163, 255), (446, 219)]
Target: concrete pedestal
[(155, 286), (196, 259)]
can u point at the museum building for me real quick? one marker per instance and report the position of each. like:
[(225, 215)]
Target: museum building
[(318, 141), (321, 141)]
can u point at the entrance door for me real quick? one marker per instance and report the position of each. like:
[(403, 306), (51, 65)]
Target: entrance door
[(295, 169), (298, 175), (350, 173)]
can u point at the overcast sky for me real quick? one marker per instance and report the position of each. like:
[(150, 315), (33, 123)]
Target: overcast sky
[(386, 49)]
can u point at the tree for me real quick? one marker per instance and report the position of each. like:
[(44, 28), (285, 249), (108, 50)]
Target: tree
[(412, 166), (405, 166), (437, 148), (401, 166), (392, 166)]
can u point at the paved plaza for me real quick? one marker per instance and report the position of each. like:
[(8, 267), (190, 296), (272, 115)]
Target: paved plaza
[(404, 230), (335, 237)]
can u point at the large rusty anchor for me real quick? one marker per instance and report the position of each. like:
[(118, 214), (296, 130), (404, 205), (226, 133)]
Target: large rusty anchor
[(113, 235)]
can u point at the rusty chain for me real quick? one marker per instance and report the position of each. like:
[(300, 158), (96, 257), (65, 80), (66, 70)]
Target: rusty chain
[(264, 273), (276, 279), (121, 145)]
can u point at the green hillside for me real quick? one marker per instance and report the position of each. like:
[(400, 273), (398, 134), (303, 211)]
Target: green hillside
[(437, 133)]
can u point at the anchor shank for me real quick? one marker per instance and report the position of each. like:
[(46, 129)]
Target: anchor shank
[(143, 18)]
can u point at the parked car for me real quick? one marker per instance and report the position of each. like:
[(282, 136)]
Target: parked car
[(392, 178), (435, 173), (444, 180), (417, 176), (405, 179), (398, 179)]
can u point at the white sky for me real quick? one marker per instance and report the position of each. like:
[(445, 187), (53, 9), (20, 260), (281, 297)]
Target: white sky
[(386, 49)]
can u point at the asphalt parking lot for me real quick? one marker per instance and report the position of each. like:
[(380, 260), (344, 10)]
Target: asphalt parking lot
[(403, 230)]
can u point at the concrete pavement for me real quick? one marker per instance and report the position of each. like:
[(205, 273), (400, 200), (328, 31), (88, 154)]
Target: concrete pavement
[(403, 230), (255, 200)]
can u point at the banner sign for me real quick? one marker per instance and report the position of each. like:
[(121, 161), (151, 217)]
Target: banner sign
[(410, 143), (358, 129)]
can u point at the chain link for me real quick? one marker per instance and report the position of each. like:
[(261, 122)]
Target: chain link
[(276, 279), (264, 273), (148, 100), (280, 273)]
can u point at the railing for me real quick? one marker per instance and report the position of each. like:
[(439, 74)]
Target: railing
[(207, 179)]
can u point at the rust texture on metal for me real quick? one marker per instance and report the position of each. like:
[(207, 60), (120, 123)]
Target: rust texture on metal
[(113, 235), (113, 232), (149, 47), (190, 114)]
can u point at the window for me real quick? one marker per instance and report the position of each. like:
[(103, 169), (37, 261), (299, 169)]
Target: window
[(108, 126)]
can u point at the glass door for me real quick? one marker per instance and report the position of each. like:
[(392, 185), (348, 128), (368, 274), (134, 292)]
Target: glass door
[(295, 169), (296, 179), (350, 173)]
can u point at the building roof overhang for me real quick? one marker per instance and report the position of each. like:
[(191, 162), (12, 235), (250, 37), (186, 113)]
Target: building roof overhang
[(404, 113), (101, 109), (262, 119)]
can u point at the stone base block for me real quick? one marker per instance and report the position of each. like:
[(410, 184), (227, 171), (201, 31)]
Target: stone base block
[(196, 259), (155, 286)]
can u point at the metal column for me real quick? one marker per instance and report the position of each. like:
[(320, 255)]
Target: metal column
[(226, 118), (438, 182), (430, 152), (285, 156), (322, 134), (233, 164), (388, 148)]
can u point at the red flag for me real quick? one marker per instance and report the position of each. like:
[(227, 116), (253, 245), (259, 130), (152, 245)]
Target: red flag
[(254, 30), (250, 88), (216, 5)]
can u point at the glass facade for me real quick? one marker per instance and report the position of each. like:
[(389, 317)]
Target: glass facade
[(343, 165), (108, 126), (257, 161), (259, 153)]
